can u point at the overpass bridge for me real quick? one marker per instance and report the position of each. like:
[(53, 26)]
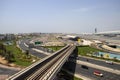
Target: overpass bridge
[(47, 68)]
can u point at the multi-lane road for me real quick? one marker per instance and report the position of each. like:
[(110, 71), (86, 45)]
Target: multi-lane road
[(115, 66), (88, 73), (33, 52)]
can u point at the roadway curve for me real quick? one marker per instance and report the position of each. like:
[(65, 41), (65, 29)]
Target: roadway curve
[(110, 48), (22, 45)]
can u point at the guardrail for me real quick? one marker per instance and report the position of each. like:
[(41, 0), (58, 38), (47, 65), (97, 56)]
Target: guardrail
[(25, 73)]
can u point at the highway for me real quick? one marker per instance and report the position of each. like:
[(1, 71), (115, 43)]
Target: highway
[(99, 62), (21, 45), (35, 53), (77, 69)]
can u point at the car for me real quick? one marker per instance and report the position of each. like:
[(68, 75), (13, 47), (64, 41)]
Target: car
[(77, 58), (98, 73), (109, 62), (84, 66), (87, 59)]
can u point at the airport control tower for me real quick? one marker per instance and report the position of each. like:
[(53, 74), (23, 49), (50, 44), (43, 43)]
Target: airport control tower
[(95, 30)]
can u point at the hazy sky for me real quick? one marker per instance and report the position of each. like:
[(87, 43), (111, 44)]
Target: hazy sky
[(68, 16)]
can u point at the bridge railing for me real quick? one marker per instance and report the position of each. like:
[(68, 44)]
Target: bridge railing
[(25, 72)]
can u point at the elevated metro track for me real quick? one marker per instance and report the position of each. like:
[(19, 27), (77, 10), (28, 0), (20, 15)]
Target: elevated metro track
[(47, 68)]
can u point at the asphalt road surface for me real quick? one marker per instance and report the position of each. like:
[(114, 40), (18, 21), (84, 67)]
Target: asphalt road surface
[(101, 63), (38, 54), (22, 46), (76, 68), (4, 71)]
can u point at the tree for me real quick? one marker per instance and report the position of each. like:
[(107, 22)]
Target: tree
[(9, 56), (101, 55), (27, 52), (115, 58), (3, 49)]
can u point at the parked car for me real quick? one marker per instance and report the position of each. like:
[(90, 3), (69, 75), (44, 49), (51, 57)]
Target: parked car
[(97, 73)]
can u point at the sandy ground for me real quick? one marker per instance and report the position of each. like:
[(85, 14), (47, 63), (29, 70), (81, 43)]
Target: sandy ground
[(3, 61), (4, 64), (7, 66)]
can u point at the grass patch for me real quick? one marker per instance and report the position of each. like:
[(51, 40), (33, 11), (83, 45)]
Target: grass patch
[(84, 50), (23, 63), (54, 48), (108, 59), (75, 78), (20, 58)]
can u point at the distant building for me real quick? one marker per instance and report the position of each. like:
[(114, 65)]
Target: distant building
[(110, 33), (70, 37), (10, 37), (2, 37)]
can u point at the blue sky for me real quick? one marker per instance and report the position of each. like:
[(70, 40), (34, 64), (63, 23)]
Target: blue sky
[(64, 16)]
